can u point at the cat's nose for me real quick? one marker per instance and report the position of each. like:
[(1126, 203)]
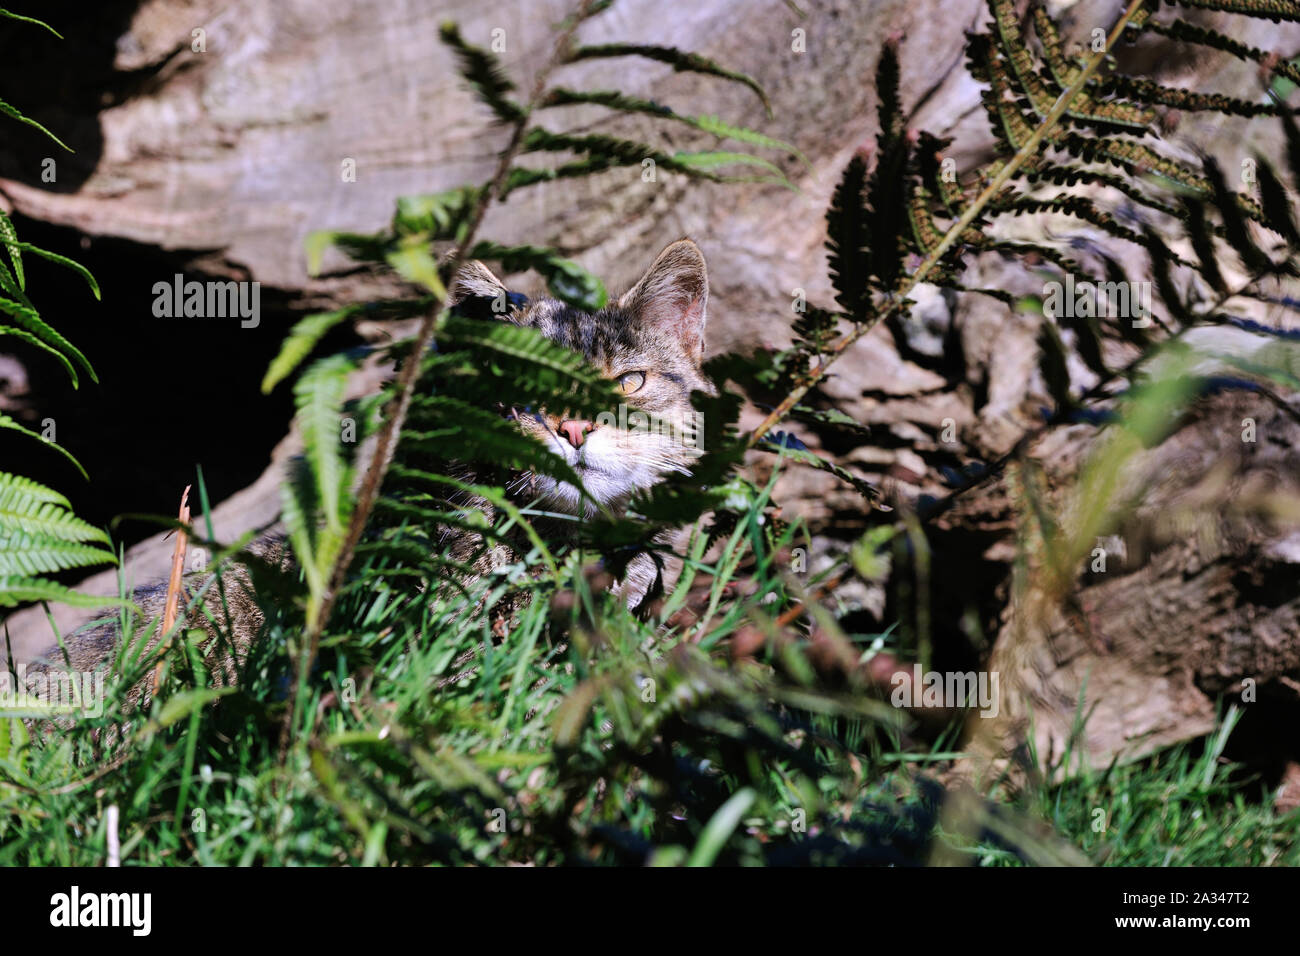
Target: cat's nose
[(575, 430)]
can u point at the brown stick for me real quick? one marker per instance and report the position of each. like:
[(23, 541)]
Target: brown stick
[(395, 413), (174, 585), (794, 612)]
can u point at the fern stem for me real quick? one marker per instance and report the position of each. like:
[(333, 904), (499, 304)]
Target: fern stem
[(410, 373), (994, 187)]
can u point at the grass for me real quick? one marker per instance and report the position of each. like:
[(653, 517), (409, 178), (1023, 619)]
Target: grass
[(586, 737)]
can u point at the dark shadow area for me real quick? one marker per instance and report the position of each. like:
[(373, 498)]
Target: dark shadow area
[(172, 393), (1265, 741), (63, 84)]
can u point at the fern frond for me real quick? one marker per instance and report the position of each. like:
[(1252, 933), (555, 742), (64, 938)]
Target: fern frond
[(1189, 100), (22, 335), (567, 280), (1084, 108), (615, 100), (816, 328), (1275, 10), (833, 417), (308, 331), (8, 424), (1053, 365), (1034, 249), (1074, 175), (9, 236), (10, 15), (1198, 232), (604, 152), (1234, 224), (357, 246), (848, 236), (680, 60), (412, 259), (773, 443), (31, 508), (888, 185), (484, 437), (1276, 202), (26, 555), (1189, 33), (46, 337), (72, 264), (1161, 258), (1078, 207), (16, 590), (437, 215), (484, 73), (318, 396), (570, 376), (14, 113)]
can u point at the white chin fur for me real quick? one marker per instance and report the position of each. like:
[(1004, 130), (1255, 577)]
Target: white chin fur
[(613, 466)]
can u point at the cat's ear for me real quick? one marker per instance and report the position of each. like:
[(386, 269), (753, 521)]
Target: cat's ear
[(673, 295), (474, 281)]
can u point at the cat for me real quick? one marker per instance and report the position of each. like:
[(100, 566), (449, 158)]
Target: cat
[(649, 343)]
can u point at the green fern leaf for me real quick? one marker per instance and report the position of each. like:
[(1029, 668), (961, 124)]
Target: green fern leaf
[(679, 60), (8, 424), (486, 437), (484, 73), (23, 335), (412, 259), (29, 507), (567, 280), (805, 457), (709, 160), (72, 264), (15, 590), (357, 246), (631, 104), (9, 15), (23, 554), (30, 320), (302, 338), (437, 215), (14, 113), (318, 395), (572, 380), (9, 236), (608, 151)]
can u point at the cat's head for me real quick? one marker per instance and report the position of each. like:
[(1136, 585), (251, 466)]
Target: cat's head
[(650, 344)]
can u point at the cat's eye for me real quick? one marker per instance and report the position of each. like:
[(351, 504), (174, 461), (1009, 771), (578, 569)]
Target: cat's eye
[(630, 382)]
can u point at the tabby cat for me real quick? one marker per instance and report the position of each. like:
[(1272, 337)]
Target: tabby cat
[(650, 343)]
